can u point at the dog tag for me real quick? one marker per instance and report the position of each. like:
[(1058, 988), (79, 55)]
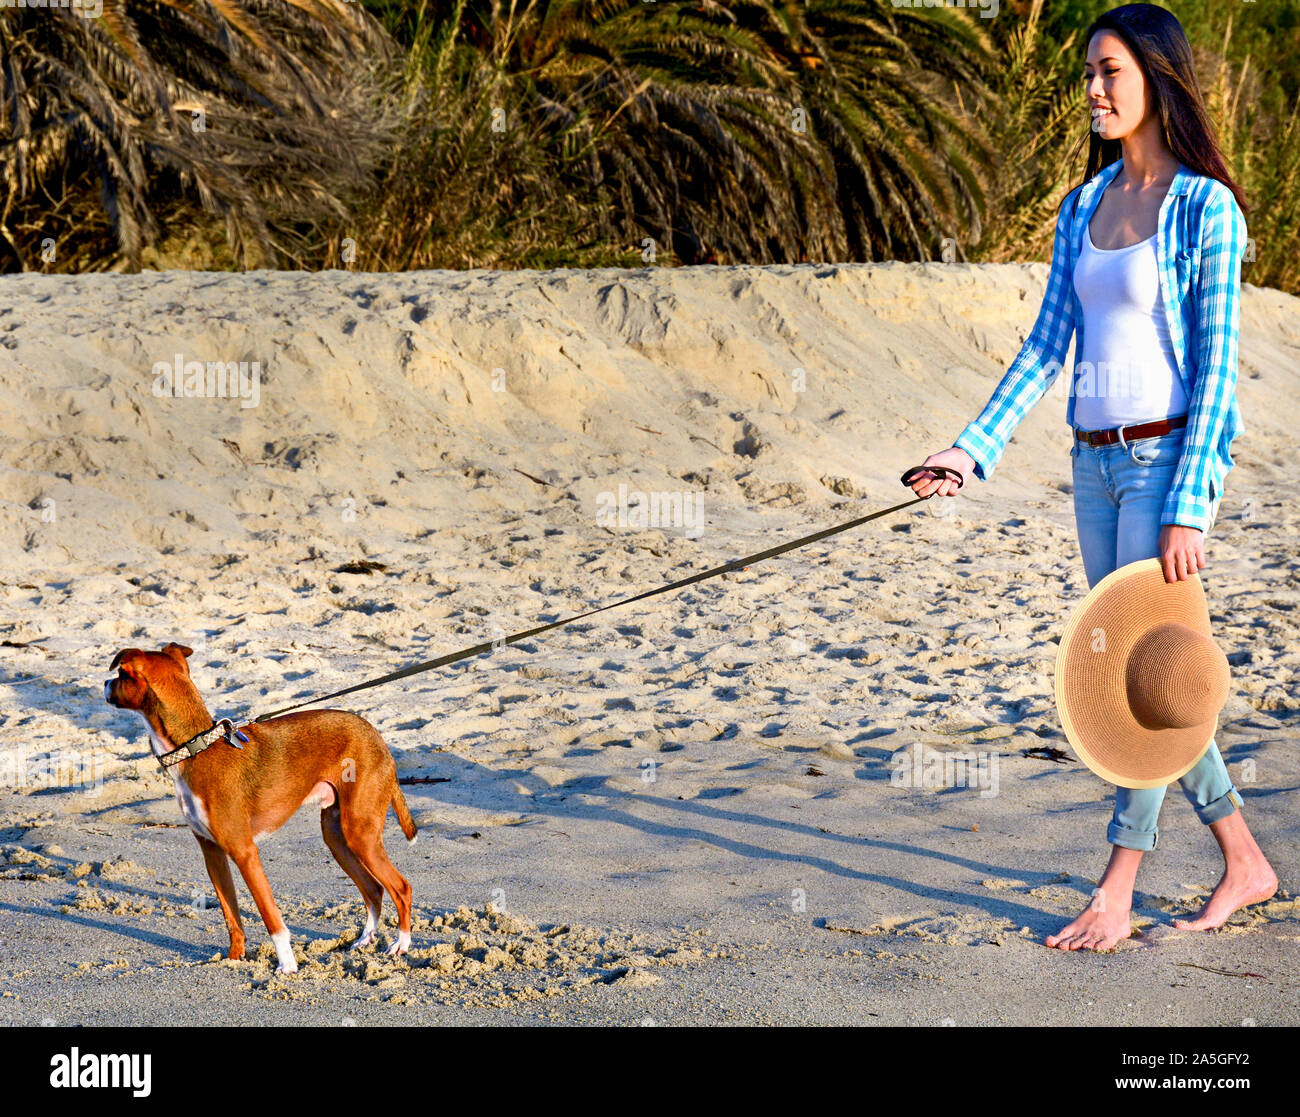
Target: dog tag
[(231, 733)]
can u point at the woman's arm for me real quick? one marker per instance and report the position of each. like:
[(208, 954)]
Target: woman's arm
[(1218, 315), (1185, 517), (1036, 366)]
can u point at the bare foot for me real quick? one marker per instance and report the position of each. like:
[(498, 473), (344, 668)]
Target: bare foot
[(1094, 930), (1240, 887)]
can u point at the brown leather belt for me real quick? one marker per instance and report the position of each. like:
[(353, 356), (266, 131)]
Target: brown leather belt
[(1138, 430)]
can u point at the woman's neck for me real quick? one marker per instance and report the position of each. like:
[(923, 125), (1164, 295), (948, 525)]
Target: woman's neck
[(1147, 163)]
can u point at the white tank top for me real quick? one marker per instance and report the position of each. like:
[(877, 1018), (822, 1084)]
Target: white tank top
[(1127, 372)]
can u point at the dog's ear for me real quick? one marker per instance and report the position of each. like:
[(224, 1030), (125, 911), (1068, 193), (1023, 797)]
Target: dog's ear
[(178, 652), (118, 658)]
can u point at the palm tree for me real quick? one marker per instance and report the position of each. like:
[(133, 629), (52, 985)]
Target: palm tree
[(261, 111), (756, 130), (752, 131)]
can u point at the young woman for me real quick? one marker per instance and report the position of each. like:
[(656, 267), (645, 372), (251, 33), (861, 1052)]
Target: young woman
[(1146, 270)]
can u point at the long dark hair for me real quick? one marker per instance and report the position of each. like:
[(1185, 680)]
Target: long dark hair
[(1160, 46)]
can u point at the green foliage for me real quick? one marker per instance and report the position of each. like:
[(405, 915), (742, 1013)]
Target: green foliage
[(119, 132), (750, 132), (542, 133)]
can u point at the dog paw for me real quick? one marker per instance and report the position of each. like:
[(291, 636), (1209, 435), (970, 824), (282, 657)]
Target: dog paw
[(365, 940), (284, 953), (402, 945)]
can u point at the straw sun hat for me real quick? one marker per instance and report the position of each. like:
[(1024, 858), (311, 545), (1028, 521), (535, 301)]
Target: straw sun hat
[(1139, 680)]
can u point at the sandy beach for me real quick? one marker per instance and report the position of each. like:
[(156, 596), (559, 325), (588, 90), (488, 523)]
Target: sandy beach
[(711, 807)]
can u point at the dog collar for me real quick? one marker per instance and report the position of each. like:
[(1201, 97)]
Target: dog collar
[(225, 728)]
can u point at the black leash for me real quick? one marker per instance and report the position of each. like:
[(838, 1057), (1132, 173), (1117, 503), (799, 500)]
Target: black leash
[(726, 568)]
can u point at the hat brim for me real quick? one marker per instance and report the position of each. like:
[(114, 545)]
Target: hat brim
[(1091, 695)]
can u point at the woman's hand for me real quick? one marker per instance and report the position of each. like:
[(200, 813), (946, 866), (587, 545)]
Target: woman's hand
[(1182, 551), (923, 484)]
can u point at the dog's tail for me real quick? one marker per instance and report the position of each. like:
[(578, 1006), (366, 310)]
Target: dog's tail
[(403, 812)]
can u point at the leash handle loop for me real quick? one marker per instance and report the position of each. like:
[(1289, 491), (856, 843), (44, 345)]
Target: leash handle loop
[(936, 469)]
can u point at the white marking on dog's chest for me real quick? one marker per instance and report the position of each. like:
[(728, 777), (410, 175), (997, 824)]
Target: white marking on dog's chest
[(190, 804), (192, 808)]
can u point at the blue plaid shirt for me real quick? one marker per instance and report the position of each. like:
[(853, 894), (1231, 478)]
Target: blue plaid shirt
[(1200, 242)]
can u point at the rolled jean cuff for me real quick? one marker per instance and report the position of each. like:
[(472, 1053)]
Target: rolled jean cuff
[(1221, 807), (1129, 838)]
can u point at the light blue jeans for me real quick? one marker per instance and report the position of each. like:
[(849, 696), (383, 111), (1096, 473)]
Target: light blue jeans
[(1119, 493)]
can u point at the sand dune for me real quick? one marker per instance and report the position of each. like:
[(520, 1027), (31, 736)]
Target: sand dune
[(434, 459)]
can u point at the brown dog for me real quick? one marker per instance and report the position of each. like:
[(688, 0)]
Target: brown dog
[(234, 796)]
